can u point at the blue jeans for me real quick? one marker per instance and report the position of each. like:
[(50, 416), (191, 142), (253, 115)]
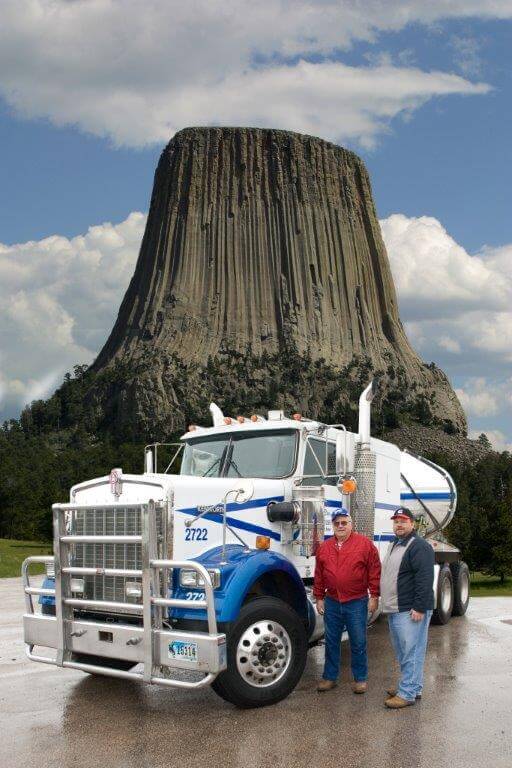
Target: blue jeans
[(352, 616), (409, 639)]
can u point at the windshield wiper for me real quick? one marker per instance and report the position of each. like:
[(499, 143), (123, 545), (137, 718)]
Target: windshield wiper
[(231, 463), (220, 461)]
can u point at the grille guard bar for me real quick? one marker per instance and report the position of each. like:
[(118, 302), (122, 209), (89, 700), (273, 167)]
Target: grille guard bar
[(149, 644)]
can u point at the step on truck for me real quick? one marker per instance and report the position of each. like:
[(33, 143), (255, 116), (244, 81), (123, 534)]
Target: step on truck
[(204, 577)]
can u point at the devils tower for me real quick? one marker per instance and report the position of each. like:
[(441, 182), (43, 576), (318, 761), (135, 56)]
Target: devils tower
[(262, 250)]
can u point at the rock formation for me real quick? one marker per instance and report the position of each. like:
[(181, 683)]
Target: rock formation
[(261, 247)]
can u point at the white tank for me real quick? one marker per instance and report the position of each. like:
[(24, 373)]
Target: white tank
[(427, 489)]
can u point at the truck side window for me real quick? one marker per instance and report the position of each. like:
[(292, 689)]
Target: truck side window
[(311, 466)]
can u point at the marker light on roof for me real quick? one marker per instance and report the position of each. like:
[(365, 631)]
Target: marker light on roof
[(297, 416), (191, 427), (254, 417), (228, 420), (240, 419)]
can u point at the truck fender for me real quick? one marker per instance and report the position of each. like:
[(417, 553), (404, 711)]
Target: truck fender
[(244, 575), (269, 573)]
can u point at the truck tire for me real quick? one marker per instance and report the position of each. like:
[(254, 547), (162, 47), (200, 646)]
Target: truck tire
[(444, 602), (460, 575), (103, 661), (266, 654)]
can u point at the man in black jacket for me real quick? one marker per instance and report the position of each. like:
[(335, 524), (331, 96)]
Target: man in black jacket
[(407, 597)]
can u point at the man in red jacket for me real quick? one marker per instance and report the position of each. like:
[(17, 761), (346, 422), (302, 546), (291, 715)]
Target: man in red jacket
[(347, 569)]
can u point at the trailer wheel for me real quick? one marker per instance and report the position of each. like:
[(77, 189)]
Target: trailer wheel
[(444, 602), (460, 575), (266, 654), (102, 661)]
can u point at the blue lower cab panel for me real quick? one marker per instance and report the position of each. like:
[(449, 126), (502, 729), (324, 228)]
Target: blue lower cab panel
[(46, 599)]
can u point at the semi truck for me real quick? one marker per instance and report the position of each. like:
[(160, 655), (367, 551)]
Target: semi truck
[(203, 576)]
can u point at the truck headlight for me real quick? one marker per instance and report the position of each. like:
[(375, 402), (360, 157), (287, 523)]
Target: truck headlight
[(50, 569), (191, 579)]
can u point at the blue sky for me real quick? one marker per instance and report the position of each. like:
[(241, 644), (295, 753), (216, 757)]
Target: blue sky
[(423, 94)]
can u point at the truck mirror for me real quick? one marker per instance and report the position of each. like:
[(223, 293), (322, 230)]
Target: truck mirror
[(242, 491)]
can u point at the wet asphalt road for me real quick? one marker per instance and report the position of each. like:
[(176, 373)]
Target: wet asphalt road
[(54, 717)]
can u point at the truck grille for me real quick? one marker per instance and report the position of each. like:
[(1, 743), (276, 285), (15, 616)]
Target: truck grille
[(109, 521)]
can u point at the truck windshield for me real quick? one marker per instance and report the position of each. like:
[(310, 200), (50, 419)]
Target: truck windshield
[(269, 454)]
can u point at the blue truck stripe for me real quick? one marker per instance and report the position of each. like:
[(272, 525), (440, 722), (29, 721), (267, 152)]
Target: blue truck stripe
[(241, 525)]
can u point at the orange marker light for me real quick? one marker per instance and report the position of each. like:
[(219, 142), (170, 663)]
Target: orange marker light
[(240, 419), (191, 427), (262, 542), (254, 417), (297, 416), (228, 420), (348, 486)]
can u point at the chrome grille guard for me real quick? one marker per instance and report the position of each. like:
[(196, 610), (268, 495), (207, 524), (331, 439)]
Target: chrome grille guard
[(150, 643)]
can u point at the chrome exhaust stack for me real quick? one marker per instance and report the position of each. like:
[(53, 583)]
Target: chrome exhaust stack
[(365, 467)]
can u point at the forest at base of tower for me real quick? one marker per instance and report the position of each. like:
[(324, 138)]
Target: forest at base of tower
[(67, 439)]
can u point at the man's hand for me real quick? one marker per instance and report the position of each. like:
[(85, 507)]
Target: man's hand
[(416, 615), (373, 604), (320, 606)]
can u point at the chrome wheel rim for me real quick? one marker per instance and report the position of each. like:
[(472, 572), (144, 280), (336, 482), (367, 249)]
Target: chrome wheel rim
[(446, 595), (464, 588), (263, 653)]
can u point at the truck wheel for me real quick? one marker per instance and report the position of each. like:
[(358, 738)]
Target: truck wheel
[(460, 575), (266, 654), (444, 602), (103, 661)]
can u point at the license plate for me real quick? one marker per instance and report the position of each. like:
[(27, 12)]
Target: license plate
[(183, 651)]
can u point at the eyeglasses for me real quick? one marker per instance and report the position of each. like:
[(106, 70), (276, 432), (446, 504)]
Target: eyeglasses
[(340, 523)]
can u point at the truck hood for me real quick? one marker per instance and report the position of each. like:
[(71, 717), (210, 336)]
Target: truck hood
[(187, 491)]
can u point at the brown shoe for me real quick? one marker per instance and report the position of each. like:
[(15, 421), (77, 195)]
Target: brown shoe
[(326, 685), (396, 702), (393, 691), (359, 687)]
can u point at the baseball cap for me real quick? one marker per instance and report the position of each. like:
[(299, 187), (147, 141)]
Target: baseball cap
[(402, 512), (341, 512)]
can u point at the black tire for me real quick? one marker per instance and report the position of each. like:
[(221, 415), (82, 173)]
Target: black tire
[(444, 602), (460, 575), (273, 653), (102, 661)]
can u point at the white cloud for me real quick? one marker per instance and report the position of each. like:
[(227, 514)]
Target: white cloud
[(136, 75), (58, 301), (450, 301), (467, 50), (451, 345), (478, 399), (435, 277)]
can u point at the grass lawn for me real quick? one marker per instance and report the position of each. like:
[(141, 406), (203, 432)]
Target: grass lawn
[(13, 553), (490, 586)]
